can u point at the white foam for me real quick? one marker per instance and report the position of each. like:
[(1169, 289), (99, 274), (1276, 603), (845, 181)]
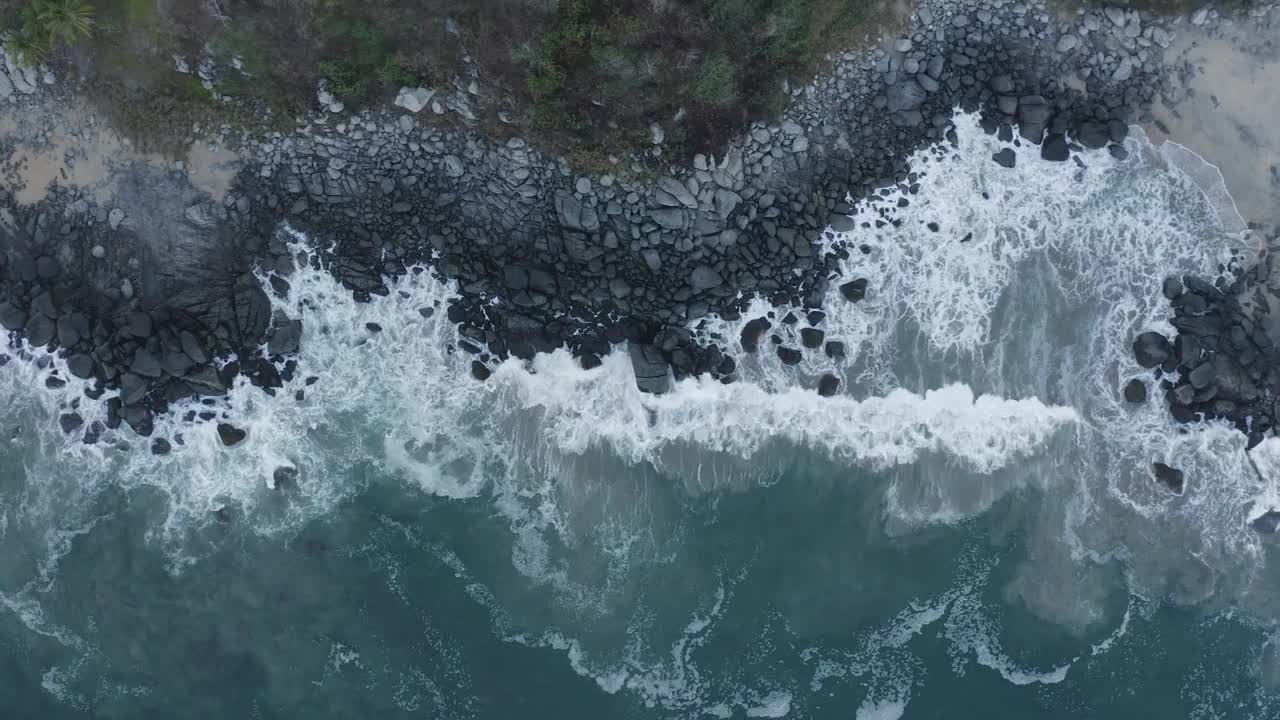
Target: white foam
[(774, 705), (882, 710)]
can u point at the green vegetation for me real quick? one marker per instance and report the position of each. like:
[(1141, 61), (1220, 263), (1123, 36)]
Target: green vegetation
[(586, 77), (47, 24)]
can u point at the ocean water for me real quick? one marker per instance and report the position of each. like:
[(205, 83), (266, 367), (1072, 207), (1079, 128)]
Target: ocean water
[(968, 529)]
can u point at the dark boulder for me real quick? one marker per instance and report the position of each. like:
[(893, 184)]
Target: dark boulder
[(286, 338), (653, 374), (80, 366), (137, 325), (1171, 478), (140, 418), (1135, 391), (192, 346), (1267, 523), (70, 421), (146, 364), (835, 350), (789, 356), (1006, 158), (1054, 148), (230, 434), (480, 371), (1150, 349), (828, 385), (812, 338), (854, 290), (1172, 288), (12, 317), (40, 330), (160, 446), (752, 332), (284, 477)]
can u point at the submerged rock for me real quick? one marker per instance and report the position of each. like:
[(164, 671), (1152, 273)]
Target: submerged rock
[(1170, 477), (1135, 391)]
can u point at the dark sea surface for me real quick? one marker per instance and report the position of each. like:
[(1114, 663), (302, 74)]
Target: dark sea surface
[(969, 529)]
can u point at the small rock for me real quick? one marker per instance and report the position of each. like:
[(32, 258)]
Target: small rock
[(1135, 391), (115, 218), (230, 434), (828, 384), (1171, 478)]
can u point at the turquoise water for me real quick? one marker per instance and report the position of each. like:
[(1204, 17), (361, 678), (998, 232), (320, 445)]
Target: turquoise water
[(969, 530)]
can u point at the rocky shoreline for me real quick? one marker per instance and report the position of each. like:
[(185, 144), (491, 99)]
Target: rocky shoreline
[(164, 306)]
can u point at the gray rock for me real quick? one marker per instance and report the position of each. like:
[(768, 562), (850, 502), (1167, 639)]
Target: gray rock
[(669, 218), (80, 366), (12, 317), (583, 186), (1006, 158), (286, 339), (1067, 43), (40, 331), (1171, 478), (677, 190), (906, 95), (653, 373), (1150, 349), (574, 215), (619, 288), (115, 217), (146, 364), (705, 277)]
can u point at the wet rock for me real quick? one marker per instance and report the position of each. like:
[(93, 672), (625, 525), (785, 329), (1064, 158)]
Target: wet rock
[(1171, 478), (828, 385), (1267, 523), (1172, 288), (854, 290), (1135, 391), (230, 434), (480, 371), (789, 356), (12, 317), (70, 422), (160, 446), (812, 338), (835, 350), (752, 332), (1006, 158), (80, 366), (284, 477), (653, 373), (1150, 349)]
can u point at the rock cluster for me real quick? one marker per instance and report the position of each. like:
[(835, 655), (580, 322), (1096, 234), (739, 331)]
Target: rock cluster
[(545, 258), (1222, 364)]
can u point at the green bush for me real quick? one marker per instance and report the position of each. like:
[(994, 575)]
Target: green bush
[(47, 24), (716, 81)]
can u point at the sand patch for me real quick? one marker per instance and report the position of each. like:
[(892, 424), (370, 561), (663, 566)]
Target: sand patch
[(70, 148), (1226, 111)]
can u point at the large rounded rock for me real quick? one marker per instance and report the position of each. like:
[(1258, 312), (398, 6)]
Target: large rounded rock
[(1150, 349), (1135, 391), (1170, 477), (230, 434)]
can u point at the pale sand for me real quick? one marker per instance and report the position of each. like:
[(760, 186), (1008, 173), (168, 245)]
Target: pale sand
[(1228, 111), (68, 147)]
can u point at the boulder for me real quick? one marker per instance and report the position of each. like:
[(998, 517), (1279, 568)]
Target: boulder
[(705, 277), (854, 290), (40, 330), (1170, 477), (1006, 158), (1267, 523), (1135, 391), (230, 434), (160, 446), (12, 317), (905, 96), (1055, 148), (812, 338), (653, 373), (573, 215), (1150, 349), (752, 332), (828, 385), (414, 99), (789, 356), (80, 366), (480, 371), (70, 421)]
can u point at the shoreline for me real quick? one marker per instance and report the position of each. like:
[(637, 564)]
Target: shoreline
[(146, 294)]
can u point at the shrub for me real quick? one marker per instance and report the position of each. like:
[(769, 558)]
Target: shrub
[(716, 80), (46, 24)]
